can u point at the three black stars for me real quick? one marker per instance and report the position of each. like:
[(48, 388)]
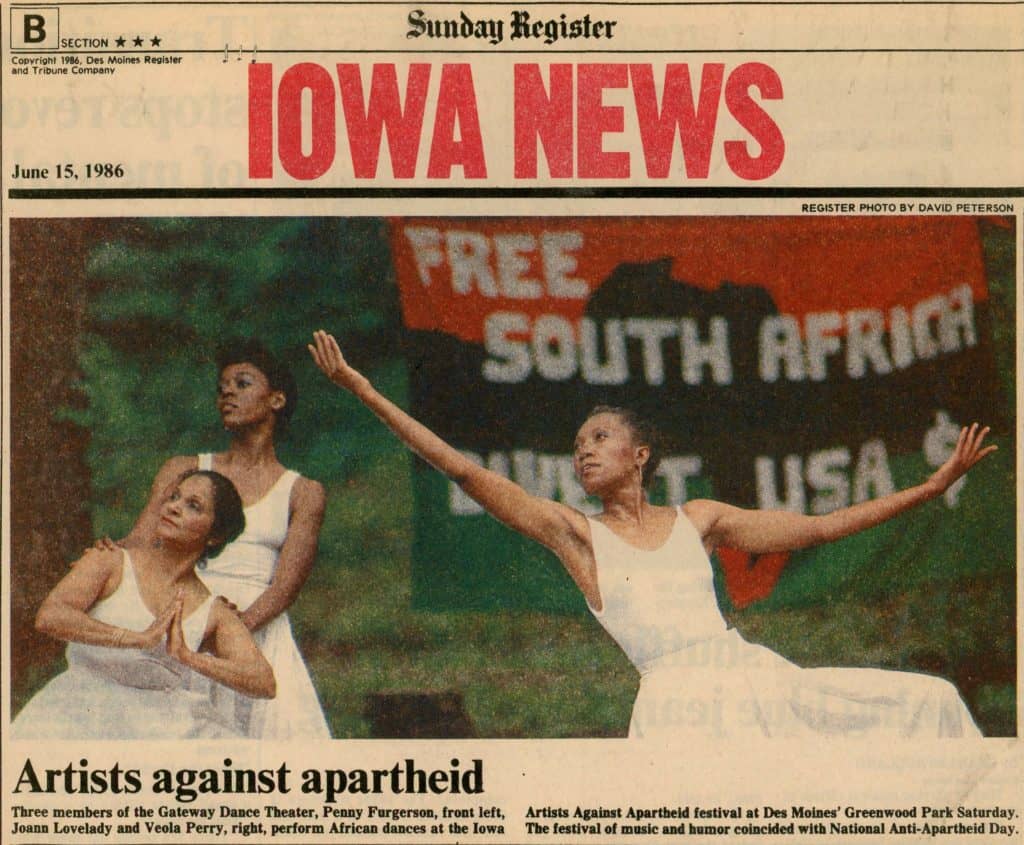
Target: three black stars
[(138, 41)]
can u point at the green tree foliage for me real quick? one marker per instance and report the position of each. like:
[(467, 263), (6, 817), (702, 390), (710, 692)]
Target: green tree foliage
[(165, 293)]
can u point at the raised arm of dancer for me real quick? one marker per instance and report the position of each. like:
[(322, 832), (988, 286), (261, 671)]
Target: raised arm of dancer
[(64, 612), (760, 531), (235, 662), (306, 514), (557, 526)]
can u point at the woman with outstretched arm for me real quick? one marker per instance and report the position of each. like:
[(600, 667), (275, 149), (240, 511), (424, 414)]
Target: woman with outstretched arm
[(646, 575)]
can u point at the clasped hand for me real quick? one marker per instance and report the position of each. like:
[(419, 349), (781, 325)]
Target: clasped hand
[(167, 623)]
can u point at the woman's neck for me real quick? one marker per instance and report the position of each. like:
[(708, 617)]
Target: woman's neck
[(172, 565), (252, 448), (628, 505)]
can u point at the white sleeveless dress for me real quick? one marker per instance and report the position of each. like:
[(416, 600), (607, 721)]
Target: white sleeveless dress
[(700, 678), (241, 573), (123, 693)]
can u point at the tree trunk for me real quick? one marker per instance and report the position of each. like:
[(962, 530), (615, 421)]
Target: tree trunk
[(50, 482)]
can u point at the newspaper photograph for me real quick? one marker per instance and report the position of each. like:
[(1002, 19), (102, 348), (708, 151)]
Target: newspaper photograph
[(511, 423)]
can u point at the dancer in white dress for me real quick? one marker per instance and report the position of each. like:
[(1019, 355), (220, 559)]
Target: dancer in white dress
[(243, 573), (699, 677), (646, 575), (129, 668), (263, 571)]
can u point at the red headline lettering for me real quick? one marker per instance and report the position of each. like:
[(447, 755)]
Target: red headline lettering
[(560, 128)]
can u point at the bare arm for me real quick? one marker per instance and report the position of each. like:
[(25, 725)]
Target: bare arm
[(64, 613), (759, 532), (145, 525), (555, 525), (297, 555), (236, 662)]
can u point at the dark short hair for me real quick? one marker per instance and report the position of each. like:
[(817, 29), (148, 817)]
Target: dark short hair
[(228, 512), (644, 434), (251, 351)]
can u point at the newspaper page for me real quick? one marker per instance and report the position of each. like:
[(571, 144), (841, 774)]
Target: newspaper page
[(681, 313)]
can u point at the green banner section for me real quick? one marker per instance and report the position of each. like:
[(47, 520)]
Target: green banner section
[(475, 563)]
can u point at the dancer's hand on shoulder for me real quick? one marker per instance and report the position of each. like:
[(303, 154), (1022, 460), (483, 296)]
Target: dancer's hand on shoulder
[(105, 544), (100, 544), (327, 356), (970, 449), (230, 605)]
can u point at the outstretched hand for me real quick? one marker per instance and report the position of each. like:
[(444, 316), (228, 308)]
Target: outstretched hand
[(327, 356), (969, 450)]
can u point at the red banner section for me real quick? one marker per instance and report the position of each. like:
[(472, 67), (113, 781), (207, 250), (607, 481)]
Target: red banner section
[(454, 273)]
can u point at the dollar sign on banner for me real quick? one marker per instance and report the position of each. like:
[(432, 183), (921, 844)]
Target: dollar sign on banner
[(939, 443)]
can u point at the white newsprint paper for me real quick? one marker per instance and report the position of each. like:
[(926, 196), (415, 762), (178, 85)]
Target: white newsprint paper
[(789, 233)]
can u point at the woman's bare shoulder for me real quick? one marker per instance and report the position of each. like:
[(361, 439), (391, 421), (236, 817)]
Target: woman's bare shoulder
[(110, 560), (102, 567), (703, 513), (307, 495)]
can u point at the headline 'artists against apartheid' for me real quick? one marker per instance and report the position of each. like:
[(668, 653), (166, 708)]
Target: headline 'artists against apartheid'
[(186, 785)]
